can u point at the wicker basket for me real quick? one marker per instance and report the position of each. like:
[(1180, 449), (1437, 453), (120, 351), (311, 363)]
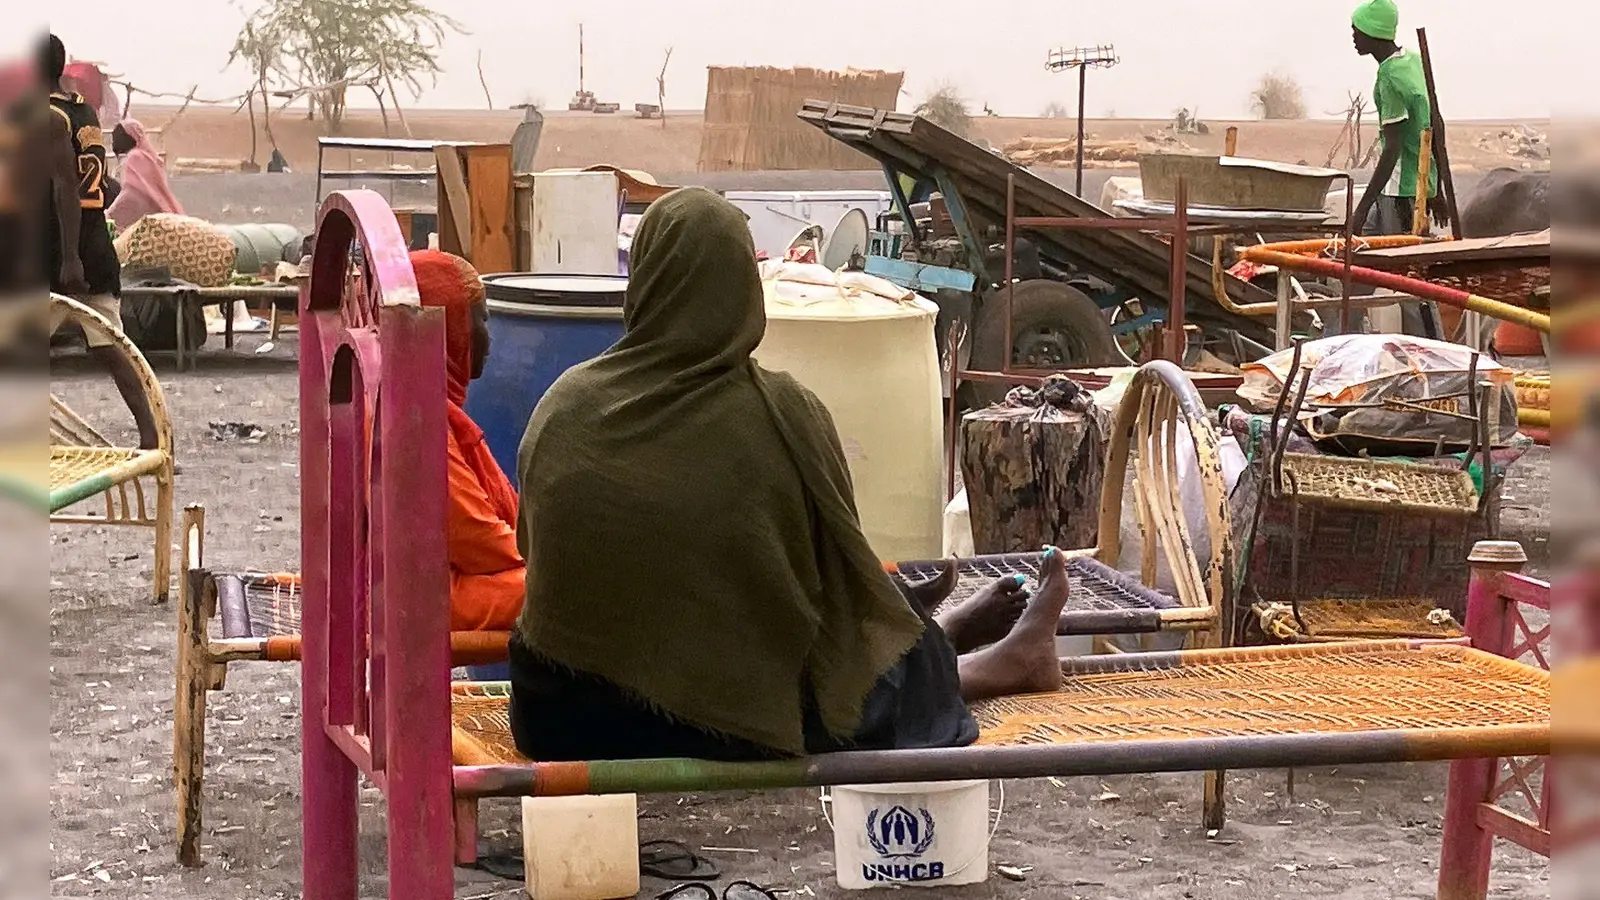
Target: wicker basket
[(1515, 286), (1332, 620), (1373, 484)]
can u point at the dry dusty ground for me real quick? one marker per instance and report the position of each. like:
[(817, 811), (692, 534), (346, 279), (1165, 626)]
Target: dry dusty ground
[(581, 139), (1362, 832)]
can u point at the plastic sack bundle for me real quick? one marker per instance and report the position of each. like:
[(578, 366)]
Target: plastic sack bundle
[(1387, 393)]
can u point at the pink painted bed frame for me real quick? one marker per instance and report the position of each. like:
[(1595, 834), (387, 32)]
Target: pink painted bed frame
[(375, 572), (373, 581), (1475, 813)]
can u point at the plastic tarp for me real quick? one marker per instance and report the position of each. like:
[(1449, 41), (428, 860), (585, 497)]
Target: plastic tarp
[(1375, 392)]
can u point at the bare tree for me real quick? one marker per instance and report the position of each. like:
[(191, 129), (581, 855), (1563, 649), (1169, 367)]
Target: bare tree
[(945, 107), (1055, 109), (321, 48), (661, 87), (1278, 96)]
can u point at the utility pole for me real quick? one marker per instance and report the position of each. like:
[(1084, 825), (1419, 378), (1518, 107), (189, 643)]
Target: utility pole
[(582, 100), (1083, 59)]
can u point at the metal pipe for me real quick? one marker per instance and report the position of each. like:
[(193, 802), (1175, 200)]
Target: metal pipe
[(1185, 754), (1144, 223), (1177, 336), (952, 411), (1349, 236), (1422, 289), (1083, 83), (1011, 216)]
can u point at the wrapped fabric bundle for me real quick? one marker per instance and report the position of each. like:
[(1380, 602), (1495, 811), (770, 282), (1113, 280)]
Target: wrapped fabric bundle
[(191, 249)]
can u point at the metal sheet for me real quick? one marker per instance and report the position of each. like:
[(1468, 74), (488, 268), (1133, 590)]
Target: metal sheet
[(1138, 263), (1254, 218)]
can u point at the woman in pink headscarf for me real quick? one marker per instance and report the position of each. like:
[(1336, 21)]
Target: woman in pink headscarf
[(144, 178)]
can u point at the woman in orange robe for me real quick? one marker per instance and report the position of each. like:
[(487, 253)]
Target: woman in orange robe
[(486, 568)]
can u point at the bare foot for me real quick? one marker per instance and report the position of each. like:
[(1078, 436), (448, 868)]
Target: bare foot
[(929, 594), (1024, 661), (986, 616)]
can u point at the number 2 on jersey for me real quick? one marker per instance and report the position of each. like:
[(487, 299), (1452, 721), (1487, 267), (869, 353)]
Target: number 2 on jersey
[(91, 174)]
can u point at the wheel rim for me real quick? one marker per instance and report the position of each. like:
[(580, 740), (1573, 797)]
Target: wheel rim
[(1047, 348)]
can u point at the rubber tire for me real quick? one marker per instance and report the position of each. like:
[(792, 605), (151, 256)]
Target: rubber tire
[(1035, 305)]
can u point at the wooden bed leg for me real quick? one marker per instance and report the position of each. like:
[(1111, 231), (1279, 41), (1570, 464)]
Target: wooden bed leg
[(466, 831), (1467, 848), (1215, 813), (163, 527), (189, 702)]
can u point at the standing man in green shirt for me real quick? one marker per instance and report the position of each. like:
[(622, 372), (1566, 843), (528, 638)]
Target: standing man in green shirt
[(1404, 113), (1401, 95)]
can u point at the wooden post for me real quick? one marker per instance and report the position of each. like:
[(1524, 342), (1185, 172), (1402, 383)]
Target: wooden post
[(1441, 151), (1467, 847), (1284, 317), (189, 700), (455, 209), (1419, 212), (1230, 143)]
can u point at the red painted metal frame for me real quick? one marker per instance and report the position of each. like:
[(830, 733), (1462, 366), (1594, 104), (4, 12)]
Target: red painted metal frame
[(372, 582), (1474, 812)]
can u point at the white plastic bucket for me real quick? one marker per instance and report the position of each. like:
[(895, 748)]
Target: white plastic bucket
[(925, 834)]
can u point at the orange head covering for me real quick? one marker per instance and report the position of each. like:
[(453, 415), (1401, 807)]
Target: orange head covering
[(451, 283)]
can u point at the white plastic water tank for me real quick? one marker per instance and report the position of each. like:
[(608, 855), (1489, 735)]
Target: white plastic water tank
[(865, 347)]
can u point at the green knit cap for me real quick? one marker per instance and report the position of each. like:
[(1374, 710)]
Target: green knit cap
[(1377, 18)]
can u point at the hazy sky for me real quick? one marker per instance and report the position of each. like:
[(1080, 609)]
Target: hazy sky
[(1493, 59)]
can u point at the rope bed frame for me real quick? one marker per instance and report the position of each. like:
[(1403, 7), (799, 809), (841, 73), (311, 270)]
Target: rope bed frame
[(84, 464), (374, 579)]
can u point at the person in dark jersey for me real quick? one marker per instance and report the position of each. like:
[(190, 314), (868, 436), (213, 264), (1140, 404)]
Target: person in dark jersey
[(698, 584), (82, 261)]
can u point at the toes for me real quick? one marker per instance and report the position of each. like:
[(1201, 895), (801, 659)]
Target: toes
[(930, 594)]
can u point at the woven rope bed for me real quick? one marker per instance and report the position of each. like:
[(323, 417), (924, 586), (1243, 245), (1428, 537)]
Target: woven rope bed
[(1095, 587), (1265, 691), (270, 604)]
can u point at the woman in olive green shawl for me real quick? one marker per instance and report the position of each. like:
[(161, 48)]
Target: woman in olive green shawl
[(698, 582)]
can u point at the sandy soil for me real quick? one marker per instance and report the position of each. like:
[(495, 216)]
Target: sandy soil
[(581, 139), (1365, 832)]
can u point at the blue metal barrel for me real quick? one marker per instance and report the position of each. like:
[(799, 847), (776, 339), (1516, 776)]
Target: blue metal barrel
[(539, 327)]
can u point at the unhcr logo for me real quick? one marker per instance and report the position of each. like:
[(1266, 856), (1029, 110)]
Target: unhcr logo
[(900, 836)]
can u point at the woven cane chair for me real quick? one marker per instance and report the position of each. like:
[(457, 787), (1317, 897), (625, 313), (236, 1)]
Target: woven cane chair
[(135, 486)]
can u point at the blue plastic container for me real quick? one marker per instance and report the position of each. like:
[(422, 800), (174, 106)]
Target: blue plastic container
[(539, 327)]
